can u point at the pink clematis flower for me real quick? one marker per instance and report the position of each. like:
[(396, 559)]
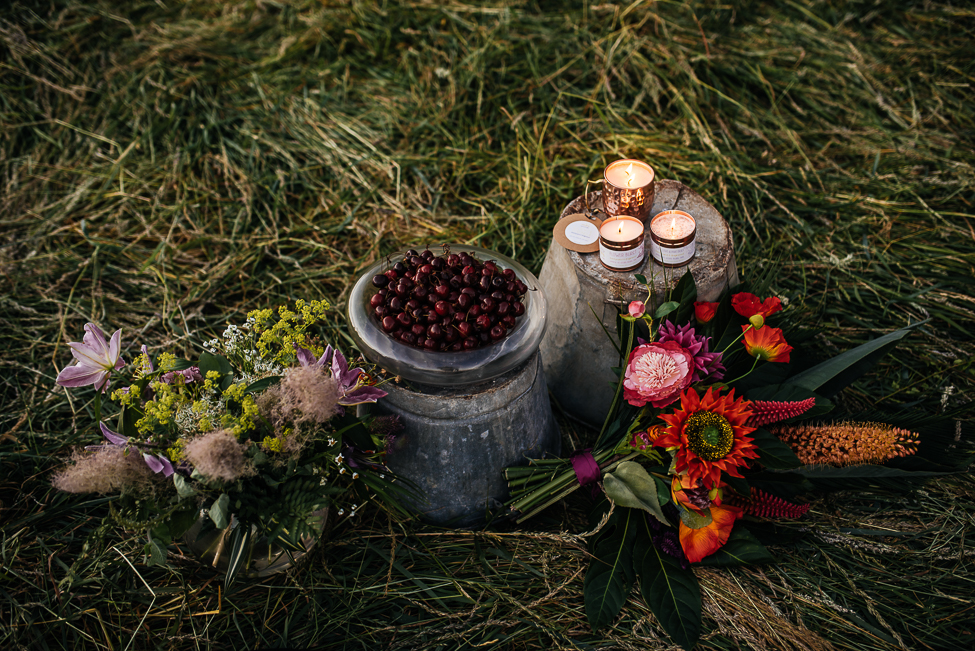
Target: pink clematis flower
[(96, 357), (353, 385)]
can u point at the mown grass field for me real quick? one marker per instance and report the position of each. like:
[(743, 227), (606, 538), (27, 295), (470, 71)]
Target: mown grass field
[(167, 166)]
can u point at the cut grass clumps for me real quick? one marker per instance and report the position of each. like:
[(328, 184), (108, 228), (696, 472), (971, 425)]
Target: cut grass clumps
[(166, 167)]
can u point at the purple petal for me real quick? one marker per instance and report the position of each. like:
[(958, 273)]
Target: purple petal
[(113, 437), (153, 462), (86, 355), (167, 467), (326, 357), (79, 376), (305, 356), (361, 395), (115, 347), (95, 339)]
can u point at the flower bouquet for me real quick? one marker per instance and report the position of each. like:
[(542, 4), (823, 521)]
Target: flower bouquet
[(258, 432), (716, 428)]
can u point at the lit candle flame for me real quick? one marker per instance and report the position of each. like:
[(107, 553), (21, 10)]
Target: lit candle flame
[(673, 226), (629, 175)]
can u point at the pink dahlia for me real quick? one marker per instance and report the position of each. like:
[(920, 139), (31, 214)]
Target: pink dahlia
[(656, 373), (706, 363)]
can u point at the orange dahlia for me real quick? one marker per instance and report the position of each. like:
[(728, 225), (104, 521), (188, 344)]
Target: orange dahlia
[(709, 435)]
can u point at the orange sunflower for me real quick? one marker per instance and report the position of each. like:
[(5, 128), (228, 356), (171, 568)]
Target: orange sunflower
[(710, 436)]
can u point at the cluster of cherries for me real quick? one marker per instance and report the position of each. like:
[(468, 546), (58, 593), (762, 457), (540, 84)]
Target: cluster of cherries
[(451, 302)]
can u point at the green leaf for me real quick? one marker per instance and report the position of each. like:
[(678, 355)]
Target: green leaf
[(240, 538), (155, 550), (220, 364), (220, 511), (183, 487), (829, 377), (694, 521), (610, 573), (773, 452), (640, 278), (263, 384), (632, 486), (742, 548), (671, 592), (183, 519), (178, 365), (665, 308), (126, 422)]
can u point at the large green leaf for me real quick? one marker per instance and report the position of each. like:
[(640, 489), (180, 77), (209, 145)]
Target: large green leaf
[(742, 548), (610, 575), (831, 376), (263, 383), (220, 511), (155, 550), (631, 485), (671, 592), (773, 452)]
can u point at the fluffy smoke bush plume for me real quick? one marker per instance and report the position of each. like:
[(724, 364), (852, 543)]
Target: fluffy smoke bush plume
[(306, 396), (110, 469), (218, 455)]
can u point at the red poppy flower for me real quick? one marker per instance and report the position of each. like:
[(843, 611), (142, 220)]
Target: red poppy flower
[(698, 543), (767, 343), (749, 305), (704, 311), (710, 436)]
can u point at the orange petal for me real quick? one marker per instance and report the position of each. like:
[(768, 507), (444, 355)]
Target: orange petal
[(698, 543)]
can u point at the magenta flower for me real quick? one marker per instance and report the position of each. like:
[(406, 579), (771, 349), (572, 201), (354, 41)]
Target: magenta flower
[(96, 357), (706, 364), (657, 373)]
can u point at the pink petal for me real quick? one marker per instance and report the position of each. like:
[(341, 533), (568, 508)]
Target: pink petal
[(80, 376), (153, 462), (95, 339), (113, 437), (86, 355), (362, 394), (305, 357), (114, 346)]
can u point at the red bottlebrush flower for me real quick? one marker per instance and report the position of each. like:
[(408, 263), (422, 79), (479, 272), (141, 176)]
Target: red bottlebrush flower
[(698, 543), (704, 311), (766, 344), (749, 305), (710, 436), (773, 411), (763, 505)]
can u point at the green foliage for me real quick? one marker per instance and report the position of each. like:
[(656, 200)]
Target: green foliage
[(610, 575), (630, 485)]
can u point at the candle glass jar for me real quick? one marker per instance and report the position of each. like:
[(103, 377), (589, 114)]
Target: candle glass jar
[(632, 197), (672, 249), (623, 253)]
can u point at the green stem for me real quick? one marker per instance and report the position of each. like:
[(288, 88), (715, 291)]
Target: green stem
[(750, 327), (754, 364), (98, 406), (619, 386)]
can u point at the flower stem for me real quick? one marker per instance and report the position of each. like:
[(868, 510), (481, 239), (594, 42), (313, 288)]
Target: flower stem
[(619, 386), (754, 364), (750, 327)]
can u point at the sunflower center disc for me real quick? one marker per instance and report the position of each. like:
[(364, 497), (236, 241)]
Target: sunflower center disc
[(709, 435)]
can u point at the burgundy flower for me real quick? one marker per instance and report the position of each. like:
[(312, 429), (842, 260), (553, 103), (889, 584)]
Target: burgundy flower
[(706, 364)]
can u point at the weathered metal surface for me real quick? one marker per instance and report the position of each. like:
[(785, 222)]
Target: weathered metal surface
[(576, 353), (457, 440)]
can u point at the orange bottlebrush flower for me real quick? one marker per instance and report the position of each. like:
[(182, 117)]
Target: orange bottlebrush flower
[(767, 344), (698, 543), (845, 444), (710, 436), (704, 311), (748, 305)]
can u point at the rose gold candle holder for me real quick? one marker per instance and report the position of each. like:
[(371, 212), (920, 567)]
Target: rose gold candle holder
[(672, 251), (622, 255), (633, 201)]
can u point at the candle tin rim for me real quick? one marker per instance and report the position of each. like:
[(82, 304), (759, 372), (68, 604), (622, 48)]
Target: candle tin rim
[(653, 174), (618, 246), (667, 242)]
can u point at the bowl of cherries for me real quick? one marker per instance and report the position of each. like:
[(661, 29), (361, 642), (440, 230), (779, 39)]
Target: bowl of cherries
[(458, 317)]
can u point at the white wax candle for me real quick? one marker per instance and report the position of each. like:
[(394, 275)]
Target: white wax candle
[(672, 225), (622, 229), (629, 174)]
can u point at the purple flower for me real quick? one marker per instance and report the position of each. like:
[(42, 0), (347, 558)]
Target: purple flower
[(191, 374), (96, 357), (156, 462), (352, 382), (706, 364)]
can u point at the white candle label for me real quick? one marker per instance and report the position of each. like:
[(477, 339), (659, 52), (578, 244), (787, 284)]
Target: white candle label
[(621, 259), (582, 232), (667, 255)]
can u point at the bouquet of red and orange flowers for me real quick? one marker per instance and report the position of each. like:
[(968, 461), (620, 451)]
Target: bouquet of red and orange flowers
[(714, 428)]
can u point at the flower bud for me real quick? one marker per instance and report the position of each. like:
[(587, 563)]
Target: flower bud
[(637, 309), (757, 321)]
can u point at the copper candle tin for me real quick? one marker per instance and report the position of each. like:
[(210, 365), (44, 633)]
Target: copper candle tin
[(672, 252), (631, 201), (622, 256)]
